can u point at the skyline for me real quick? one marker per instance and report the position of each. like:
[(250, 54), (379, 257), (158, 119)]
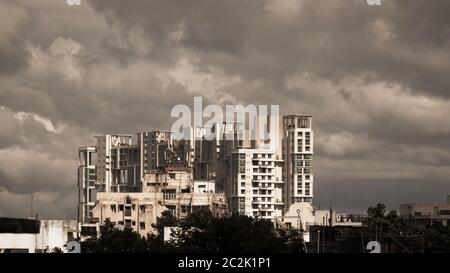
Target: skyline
[(375, 80)]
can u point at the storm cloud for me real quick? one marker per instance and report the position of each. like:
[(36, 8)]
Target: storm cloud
[(375, 80)]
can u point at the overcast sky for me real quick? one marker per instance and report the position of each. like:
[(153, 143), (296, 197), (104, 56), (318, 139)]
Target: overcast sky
[(375, 79)]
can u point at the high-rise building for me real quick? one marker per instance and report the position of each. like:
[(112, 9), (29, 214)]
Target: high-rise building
[(205, 153), (156, 149), (125, 168), (86, 183), (106, 165), (250, 173), (261, 172), (298, 140)]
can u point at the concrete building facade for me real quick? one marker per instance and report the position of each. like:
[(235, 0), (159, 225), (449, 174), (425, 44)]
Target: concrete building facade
[(421, 215), (87, 189), (35, 236), (105, 163), (298, 149)]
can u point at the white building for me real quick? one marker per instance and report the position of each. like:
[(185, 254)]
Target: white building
[(250, 173), (204, 186), (302, 215), (35, 236)]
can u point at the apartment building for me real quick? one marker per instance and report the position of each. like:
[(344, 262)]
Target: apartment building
[(250, 173), (298, 150), (205, 152), (106, 165), (155, 150), (86, 182), (126, 171), (135, 210), (171, 188), (260, 173)]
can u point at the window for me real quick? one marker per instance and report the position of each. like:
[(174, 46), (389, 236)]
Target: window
[(120, 207), (113, 208), (127, 211), (128, 224), (184, 209), (170, 194), (142, 225), (142, 208)]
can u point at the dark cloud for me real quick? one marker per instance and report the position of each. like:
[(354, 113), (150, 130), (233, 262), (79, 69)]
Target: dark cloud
[(13, 18), (375, 80)]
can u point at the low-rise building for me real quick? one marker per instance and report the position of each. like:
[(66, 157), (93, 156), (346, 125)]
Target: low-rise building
[(35, 236), (204, 186), (134, 210), (422, 215), (306, 215)]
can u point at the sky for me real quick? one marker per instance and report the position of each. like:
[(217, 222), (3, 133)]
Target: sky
[(374, 78)]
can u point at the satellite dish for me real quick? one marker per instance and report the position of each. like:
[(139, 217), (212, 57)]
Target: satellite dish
[(73, 247)]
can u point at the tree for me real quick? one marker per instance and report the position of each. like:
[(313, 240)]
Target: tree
[(437, 238), (202, 232), (389, 223), (167, 219), (56, 250), (115, 240)]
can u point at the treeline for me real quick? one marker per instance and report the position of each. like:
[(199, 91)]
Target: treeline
[(201, 232)]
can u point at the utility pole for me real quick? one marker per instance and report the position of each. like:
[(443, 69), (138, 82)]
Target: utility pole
[(31, 206), (318, 241), (323, 239)]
